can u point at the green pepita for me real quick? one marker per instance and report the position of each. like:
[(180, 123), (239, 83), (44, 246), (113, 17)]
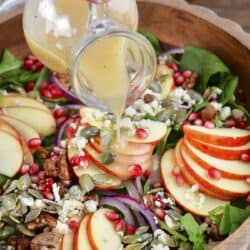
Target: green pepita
[(6, 232), (90, 132), (24, 230), (130, 239), (86, 183), (24, 182), (102, 179), (2, 225), (9, 202), (106, 158), (14, 219), (141, 230), (35, 193), (33, 214), (11, 186), (75, 192), (137, 246)]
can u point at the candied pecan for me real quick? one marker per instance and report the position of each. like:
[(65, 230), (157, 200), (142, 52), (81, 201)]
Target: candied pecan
[(208, 113), (64, 79), (190, 82), (23, 243), (62, 189), (148, 98), (149, 201), (50, 168), (42, 221), (43, 152), (47, 241), (63, 169), (12, 240)]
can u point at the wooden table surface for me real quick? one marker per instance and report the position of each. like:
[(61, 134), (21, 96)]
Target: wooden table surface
[(237, 10)]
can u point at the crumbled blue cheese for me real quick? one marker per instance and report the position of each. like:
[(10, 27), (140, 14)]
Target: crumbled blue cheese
[(216, 105), (130, 111), (158, 246), (212, 93), (225, 113), (189, 194), (27, 201), (39, 204), (126, 123), (91, 206), (169, 221), (107, 124), (61, 228), (202, 199), (181, 99), (56, 189)]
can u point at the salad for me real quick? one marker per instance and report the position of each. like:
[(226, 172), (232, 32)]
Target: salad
[(180, 181)]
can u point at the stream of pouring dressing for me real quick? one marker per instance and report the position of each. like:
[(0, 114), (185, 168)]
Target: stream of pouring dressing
[(104, 63)]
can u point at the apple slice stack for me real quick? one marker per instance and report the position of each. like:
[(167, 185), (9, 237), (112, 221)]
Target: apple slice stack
[(22, 120)]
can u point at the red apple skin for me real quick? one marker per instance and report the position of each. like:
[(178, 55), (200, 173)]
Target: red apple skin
[(206, 165), (209, 185), (191, 180), (90, 236), (96, 146), (222, 153), (219, 140)]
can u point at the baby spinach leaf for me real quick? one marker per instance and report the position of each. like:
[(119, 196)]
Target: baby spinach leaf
[(153, 40), (3, 179), (205, 63), (28, 76), (194, 231), (9, 63), (43, 77)]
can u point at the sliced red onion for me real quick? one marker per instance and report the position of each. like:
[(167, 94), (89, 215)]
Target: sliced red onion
[(138, 185), (72, 106), (65, 91), (113, 202), (132, 191), (136, 205), (140, 219), (59, 133)]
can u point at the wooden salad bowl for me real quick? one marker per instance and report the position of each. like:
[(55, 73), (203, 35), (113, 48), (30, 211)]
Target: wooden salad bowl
[(176, 23)]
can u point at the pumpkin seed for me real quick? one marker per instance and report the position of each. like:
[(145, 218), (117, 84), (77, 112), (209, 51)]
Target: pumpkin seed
[(146, 237), (24, 230), (90, 132), (86, 183), (6, 232), (24, 182), (9, 202), (141, 230), (14, 219), (180, 116), (1, 225), (11, 187), (7, 183), (137, 246), (130, 239), (35, 193), (102, 179), (106, 158), (33, 214)]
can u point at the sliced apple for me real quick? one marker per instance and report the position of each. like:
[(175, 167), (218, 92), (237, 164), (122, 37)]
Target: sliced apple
[(227, 137), (43, 122), (20, 100), (227, 187), (11, 154), (109, 181), (81, 240), (190, 179), (226, 153), (101, 232), (68, 241), (121, 170), (179, 192), (165, 76), (156, 132), (233, 169), (23, 128)]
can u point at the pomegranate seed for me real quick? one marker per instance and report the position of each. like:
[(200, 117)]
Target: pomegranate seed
[(120, 225), (198, 122), (241, 124), (32, 58), (50, 86), (179, 80), (39, 66), (34, 143), (28, 64), (56, 93), (245, 157), (209, 124), (59, 112), (141, 133), (49, 183), (54, 157), (248, 180), (136, 169), (69, 132), (160, 213), (177, 74), (74, 161), (46, 93), (41, 175), (83, 162), (34, 68), (34, 169), (73, 225), (29, 86), (42, 187), (25, 169), (187, 73), (179, 180), (176, 171), (214, 173), (248, 199), (34, 179), (194, 116), (230, 123), (130, 229), (43, 85), (173, 66), (112, 216), (48, 195)]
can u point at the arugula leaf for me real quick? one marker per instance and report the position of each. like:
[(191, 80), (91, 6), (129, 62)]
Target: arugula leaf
[(28, 76), (3, 179), (194, 231), (216, 214), (48, 141), (153, 40), (43, 77), (146, 187), (9, 63), (205, 63), (199, 106), (150, 117)]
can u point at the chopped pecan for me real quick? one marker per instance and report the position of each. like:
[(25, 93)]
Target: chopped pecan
[(190, 82), (42, 221), (23, 243), (149, 201), (62, 189), (63, 169), (50, 168), (148, 98), (94, 197), (47, 241), (43, 152), (208, 113), (12, 240)]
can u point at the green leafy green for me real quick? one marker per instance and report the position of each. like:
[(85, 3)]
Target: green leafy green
[(146, 187), (43, 77), (48, 141), (153, 40), (194, 231), (3, 179), (234, 105), (150, 117), (199, 106), (205, 63), (106, 158)]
